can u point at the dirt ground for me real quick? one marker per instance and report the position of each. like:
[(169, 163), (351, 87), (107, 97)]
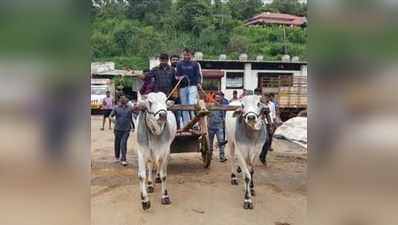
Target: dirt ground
[(199, 196)]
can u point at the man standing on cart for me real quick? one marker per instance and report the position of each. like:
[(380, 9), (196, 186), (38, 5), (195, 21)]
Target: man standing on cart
[(189, 71), (174, 59), (163, 75)]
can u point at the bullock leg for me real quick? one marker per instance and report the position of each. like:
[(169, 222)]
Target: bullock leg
[(248, 202), (252, 182), (146, 204), (234, 179), (157, 178), (252, 163), (150, 183), (163, 176)]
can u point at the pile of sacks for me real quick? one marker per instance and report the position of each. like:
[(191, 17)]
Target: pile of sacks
[(293, 130)]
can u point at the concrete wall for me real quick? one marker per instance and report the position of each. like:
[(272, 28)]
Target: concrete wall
[(251, 78)]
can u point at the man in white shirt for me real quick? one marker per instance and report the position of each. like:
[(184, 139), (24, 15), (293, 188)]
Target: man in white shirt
[(107, 106), (272, 109), (267, 100)]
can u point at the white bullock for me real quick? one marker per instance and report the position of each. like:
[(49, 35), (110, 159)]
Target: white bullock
[(156, 129), (246, 133)]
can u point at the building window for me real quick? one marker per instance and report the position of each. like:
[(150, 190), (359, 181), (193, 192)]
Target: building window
[(211, 84), (234, 80), (270, 80)]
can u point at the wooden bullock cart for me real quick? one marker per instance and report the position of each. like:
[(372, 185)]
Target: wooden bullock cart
[(194, 136)]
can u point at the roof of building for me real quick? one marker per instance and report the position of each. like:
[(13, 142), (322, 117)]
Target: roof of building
[(252, 61), (108, 69), (276, 18), (212, 73)]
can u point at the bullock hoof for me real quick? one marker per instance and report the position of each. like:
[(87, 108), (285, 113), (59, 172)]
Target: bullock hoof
[(165, 200), (239, 170), (253, 192), (146, 205), (234, 182), (150, 189), (158, 180), (248, 205)]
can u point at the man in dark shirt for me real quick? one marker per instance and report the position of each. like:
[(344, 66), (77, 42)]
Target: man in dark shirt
[(190, 72), (122, 128), (164, 76), (174, 59)]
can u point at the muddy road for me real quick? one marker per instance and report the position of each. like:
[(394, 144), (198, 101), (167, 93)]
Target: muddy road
[(198, 195)]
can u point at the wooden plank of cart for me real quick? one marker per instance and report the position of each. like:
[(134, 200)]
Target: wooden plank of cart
[(194, 136)]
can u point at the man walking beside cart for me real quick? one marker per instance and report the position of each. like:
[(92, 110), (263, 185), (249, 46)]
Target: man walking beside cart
[(123, 121), (216, 127)]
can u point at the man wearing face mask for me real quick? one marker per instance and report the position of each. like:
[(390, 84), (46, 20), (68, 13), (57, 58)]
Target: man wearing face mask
[(164, 76)]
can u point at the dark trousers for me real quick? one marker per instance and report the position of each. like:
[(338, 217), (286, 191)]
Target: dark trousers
[(219, 133), (121, 138), (268, 142)]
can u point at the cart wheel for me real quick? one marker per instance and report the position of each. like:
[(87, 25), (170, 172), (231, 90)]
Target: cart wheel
[(205, 150)]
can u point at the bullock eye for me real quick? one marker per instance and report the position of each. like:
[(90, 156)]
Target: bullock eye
[(243, 106), (259, 104)]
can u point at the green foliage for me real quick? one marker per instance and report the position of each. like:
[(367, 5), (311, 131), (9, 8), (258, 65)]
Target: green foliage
[(148, 11), (244, 9), (123, 81), (268, 41), (193, 15), (287, 6), (130, 34)]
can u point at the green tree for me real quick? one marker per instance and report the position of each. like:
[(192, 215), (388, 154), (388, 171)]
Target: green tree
[(244, 9), (193, 15), (148, 11), (287, 6), (130, 34)]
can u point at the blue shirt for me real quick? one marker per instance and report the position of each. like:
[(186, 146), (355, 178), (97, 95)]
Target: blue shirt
[(190, 70), (216, 119), (124, 117)]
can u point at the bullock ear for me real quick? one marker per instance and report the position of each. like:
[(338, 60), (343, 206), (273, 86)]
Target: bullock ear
[(237, 113), (170, 103)]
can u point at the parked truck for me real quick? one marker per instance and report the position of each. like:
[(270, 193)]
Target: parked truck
[(291, 94), (99, 87)]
